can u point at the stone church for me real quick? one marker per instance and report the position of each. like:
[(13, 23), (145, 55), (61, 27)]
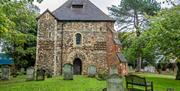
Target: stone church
[(81, 34)]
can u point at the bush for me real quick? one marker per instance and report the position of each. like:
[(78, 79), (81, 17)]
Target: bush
[(14, 73), (48, 74), (102, 76)]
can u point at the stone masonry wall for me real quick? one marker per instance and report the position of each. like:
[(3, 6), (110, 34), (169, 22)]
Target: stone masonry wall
[(92, 51), (96, 48), (45, 42)]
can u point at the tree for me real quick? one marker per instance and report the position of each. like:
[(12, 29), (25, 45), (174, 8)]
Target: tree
[(30, 1), (5, 23), (172, 2), (130, 44), (20, 39), (165, 34), (130, 16)]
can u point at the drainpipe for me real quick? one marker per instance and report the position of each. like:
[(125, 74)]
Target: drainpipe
[(62, 36)]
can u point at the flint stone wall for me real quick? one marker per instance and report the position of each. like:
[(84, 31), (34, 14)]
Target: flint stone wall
[(92, 51)]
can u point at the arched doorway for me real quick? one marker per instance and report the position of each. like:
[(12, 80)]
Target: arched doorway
[(77, 66)]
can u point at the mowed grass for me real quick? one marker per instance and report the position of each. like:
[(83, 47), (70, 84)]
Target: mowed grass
[(82, 83), (162, 82)]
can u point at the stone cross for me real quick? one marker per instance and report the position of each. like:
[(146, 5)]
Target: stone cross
[(5, 75), (92, 71), (40, 75), (68, 72), (113, 70), (30, 74), (115, 83)]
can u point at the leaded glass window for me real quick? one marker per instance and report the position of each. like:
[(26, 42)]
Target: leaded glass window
[(78, 38)]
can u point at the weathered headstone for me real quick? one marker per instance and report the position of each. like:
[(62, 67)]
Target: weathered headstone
[(30, 74), (113, 70), (40, 75), (22, 70), (92, 71), (115, 83), (68, 72), (149, 69), (5, 75)]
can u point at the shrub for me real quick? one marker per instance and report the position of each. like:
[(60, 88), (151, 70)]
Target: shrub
[(102, 76)]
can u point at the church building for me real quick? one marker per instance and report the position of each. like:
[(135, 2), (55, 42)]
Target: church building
[(81, 34)]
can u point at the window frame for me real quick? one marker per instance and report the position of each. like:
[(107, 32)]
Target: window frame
[(75, 40)]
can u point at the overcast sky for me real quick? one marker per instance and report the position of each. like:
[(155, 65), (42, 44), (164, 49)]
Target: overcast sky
[(102, 4), (54, 4)]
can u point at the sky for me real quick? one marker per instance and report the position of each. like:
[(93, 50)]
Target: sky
[(54, 4), (102, 4)]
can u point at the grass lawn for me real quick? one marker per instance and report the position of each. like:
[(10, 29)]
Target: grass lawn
[(162, 82), (81, 83)]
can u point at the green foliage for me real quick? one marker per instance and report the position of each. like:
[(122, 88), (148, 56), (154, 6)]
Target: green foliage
[(25, 1), (102, 76), (5, 23), (130, 13), (131, 44), (165, 32), (20, 37), (130, 16)]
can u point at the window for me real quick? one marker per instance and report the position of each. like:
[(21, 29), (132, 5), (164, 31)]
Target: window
[(78, 38)]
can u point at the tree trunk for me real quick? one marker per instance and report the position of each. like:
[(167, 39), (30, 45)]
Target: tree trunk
[(139, 56), (138, 67), (178, 71)]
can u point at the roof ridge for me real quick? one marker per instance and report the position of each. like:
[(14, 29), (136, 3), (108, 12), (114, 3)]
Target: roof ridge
[(100, 9), (89, 12)]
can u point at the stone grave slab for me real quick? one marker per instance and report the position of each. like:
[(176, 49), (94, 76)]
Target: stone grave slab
[(30, 74), (92, 71), (115, 83), (68, 72), (5, 72)]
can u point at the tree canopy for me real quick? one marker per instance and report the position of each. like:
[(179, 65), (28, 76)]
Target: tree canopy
[(131, 16), (18, 32), (161, 38)]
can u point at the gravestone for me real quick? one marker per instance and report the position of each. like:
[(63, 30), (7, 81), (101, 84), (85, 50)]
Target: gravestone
[(115, 83), (92, 71), (40, 75), (30, 74), (113, 70), (22, 70), (149, 69), (5, 75), (68, 72)]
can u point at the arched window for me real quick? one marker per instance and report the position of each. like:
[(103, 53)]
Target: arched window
[(78, 38)]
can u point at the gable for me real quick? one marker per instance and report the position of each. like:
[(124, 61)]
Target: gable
[(84, 10), (46, 14)]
